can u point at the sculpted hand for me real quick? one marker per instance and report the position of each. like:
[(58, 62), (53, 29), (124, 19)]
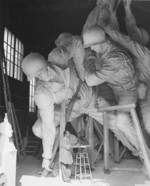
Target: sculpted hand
[(117, 2)]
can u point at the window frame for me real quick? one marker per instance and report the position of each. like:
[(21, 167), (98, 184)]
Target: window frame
[(32, 106), (13, 52)]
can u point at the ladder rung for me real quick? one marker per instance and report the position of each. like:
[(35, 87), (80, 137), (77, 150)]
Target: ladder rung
[(83, 164)]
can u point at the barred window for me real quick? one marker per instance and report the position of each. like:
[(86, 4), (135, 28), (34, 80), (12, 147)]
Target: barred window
[(32, 106), (14, 51)]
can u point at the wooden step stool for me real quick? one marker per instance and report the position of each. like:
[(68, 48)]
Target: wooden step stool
[(82, 164)]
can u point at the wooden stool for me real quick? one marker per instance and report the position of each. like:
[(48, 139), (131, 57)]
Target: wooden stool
[(82, 164)]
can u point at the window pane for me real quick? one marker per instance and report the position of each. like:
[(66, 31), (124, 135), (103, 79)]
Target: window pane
[(16, 44), (12, 41), (13, 49), (8, 49), (15, 61), (8, 67), (5, 47), (12, 52), (8, 56), (19, 50), (16, 56), (19, 59), (5, 34), (15, 72), (9, 38), (4, 67), (12, 57)]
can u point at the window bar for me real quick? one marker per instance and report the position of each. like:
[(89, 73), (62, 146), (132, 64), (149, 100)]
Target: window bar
[(12, 53)]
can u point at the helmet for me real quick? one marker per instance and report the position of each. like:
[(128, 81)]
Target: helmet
[(93, 36), (145, 36), (59, 56), (62, 38), (32, 64)]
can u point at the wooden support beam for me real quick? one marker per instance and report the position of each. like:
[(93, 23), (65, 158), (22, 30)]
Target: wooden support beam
[(96, 126), (106, 143), (131, 108), (141, 141), (100, 136), (91, 142), (62, 129), (62, 118), (116, 150), (117, 107), (55, 148)]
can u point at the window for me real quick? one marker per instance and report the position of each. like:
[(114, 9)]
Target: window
[(13, 50), (32, 106)]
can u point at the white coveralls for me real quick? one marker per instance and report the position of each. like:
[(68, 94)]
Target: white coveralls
[(115, 68), (142, 63)]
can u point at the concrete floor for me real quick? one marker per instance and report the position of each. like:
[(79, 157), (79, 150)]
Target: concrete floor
[(127, 173)]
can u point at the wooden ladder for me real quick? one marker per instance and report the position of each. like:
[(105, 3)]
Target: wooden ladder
[(12, 117)]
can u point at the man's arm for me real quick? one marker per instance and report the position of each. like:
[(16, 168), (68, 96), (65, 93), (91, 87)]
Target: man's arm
[(100, 14), (99, 75), (130, 22), (105, 12), (133, 47), (93, 79), (78, 53)]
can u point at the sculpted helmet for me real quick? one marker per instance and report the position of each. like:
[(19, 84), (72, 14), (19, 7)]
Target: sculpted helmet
[(32, 64), (93, 36)]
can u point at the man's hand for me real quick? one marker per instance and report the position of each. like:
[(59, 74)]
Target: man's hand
[(142, 90), (116, 4), (46, 164)]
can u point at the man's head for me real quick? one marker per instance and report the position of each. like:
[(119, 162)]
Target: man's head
[(63, 38), (33, 64), (59, 56), (94, 35), (66, 133)]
